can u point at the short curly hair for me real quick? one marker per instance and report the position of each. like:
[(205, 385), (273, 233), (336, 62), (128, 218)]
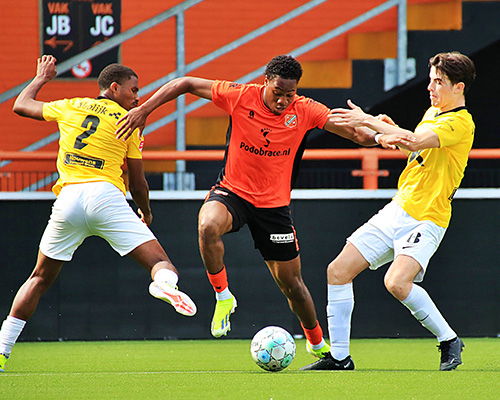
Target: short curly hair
[(285, 67), (114, 73)]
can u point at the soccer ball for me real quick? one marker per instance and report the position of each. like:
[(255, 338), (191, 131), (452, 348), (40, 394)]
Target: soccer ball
[(273, 348)]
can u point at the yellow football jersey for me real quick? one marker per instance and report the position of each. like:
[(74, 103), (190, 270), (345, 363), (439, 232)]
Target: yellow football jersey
[(432, 176), (88, 148)]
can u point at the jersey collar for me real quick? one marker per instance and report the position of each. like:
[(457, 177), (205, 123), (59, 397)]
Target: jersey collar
[(449, 111)]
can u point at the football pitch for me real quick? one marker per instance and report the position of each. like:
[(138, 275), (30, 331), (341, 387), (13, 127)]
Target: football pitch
[(223, 369)]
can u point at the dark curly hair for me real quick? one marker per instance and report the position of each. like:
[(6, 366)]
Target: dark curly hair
[(114, 73), (456, 66), (285, 67)]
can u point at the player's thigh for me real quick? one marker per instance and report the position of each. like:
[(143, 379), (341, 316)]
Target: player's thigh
[(111, 217), (403, 269), (149, 254), (67, 227), (47, 269), (215, 218), (374, 241), (222, 212), (418, 240), (274, 234), (346, 266)]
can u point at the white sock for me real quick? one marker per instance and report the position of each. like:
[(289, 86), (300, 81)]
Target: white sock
[(166, 275), (425, 311), (338, 312), (224, 295), (11, 329), (319, 345)]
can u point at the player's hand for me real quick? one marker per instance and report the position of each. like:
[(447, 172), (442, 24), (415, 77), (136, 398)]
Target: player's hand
[(46, 68), (354, 117), (385, 118), (146, 218), (135, 118), (393, 141)]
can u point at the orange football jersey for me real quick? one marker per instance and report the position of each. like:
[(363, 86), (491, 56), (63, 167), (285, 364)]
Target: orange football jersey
[(263, 149)]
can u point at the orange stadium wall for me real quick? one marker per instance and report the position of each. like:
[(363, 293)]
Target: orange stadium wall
[(209, 25)]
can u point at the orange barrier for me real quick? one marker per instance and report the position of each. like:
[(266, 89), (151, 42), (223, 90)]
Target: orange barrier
[(369, 158)]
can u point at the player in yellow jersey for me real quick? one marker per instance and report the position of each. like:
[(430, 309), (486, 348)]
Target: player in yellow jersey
[(91, 192), (409, 229)]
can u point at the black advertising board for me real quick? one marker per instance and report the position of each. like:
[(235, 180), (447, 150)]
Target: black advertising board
[(71, 27)]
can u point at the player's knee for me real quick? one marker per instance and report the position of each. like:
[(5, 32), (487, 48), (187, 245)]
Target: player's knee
[(294, 289), (396, 287), (337, 273), (208, 229)]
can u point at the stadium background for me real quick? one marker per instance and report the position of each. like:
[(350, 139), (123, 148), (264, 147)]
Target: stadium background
[(100, 296)]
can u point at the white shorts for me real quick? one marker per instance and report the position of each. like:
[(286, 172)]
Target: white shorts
[(392, 232), (92, 209)]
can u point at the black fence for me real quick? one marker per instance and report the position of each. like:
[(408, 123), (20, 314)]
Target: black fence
[(102, 296)]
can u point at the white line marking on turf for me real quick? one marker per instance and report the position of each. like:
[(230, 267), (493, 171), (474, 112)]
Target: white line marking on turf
[(122, 373)]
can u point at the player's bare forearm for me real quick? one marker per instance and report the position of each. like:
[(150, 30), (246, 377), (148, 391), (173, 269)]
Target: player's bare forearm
[(139, 188), (140, 195), (26, 104), (359, 135), (136, 118), (198, 86), (378, 127), (364, 136)]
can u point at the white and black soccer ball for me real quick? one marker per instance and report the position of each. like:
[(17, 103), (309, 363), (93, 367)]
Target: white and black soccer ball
[(273, 348)]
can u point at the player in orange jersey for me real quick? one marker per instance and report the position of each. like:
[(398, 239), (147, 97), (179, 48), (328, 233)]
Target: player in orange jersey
[(265, 141), (91, 192)]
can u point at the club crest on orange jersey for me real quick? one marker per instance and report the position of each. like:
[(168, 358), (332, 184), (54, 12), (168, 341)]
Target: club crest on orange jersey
[(291, 120)]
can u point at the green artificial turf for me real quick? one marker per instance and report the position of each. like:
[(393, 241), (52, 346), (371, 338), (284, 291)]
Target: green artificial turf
[(223, 369)]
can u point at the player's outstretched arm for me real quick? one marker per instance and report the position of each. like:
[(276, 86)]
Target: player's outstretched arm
[(358, 133), (392, 135), (136, 118), (26, 104)]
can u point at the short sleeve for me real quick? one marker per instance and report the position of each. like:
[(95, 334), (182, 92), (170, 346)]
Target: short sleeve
[(225, 94), (318, 113), (447, 129), (52, 110)]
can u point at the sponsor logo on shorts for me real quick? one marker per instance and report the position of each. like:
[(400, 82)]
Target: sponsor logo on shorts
[(413, 240), (75, 159), (221, 192), (282, 238)]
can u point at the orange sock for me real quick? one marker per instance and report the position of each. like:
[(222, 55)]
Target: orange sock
[(314, 335), (218, 280)]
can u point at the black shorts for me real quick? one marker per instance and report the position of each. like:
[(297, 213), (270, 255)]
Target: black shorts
[(271, 228)]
